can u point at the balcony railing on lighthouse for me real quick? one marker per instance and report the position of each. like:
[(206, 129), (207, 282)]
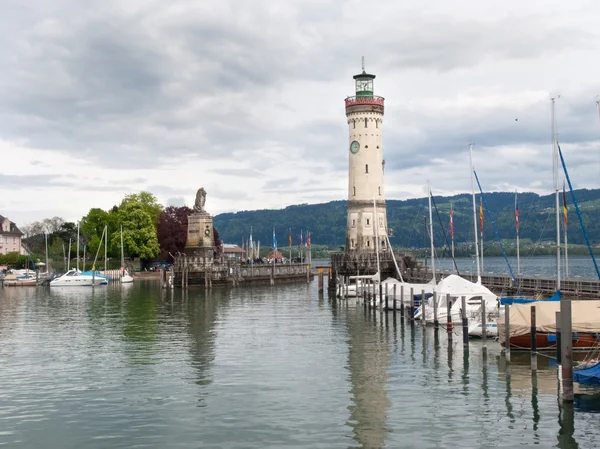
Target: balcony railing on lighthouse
[(360, 100)]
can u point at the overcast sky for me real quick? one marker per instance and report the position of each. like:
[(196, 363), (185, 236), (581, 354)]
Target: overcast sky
[(103, 98)]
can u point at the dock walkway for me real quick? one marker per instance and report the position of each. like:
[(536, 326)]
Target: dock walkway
[(578, 288)]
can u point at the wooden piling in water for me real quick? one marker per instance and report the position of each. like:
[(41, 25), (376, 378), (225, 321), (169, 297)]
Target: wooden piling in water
[(411, 316), (436, 323), (320, 287), (423, 310), (507, 332), (394, 298), (483, 328), (449, 318), (387, 307), (566, 350), (533, 333), (465, 322), (558, 341)]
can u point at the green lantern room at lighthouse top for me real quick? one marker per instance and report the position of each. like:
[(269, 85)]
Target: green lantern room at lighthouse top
[(364, 82)]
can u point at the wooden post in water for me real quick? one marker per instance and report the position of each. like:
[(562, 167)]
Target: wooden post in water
[(401, 301), (436, 323), (558, 341), (483, 328), (465, 322), (533, 342), (308, 273), (387, 307), (411, 315), (449, 319), (423, 309), (507, 332), (320, 279), (182, 266), (567, 349)]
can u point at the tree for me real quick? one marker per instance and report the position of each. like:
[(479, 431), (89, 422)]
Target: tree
[(139, 232), (148, 203), (172, 230)]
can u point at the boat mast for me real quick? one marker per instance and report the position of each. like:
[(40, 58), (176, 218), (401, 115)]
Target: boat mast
[(69, 256), (474, 215), (106, 248), (77, 246), (46, 237), (454, 268), (556, 191), (517, 226), (565, 226), (431, 235), (122, 252), (376, 225)]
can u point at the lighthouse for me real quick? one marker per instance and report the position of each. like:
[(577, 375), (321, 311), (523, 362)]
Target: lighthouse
[(367, 221)]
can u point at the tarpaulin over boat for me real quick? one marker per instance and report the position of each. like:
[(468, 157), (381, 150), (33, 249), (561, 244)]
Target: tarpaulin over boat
[(511, 301), (587, 376), (585, 317)]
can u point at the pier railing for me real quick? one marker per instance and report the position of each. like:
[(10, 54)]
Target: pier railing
[(531, 285)]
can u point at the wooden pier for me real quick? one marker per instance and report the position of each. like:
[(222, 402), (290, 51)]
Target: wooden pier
[(503, 284), (233, 273)]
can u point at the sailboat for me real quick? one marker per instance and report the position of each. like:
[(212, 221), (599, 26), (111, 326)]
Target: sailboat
[(125, 277)]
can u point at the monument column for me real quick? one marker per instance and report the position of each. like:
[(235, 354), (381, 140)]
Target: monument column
[(200, 243)]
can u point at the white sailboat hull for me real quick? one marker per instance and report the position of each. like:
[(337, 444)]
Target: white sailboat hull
[(74, 278), (126, 279)]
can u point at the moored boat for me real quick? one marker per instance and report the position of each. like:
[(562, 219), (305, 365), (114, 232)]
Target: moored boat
[(585, 327), (75, 278)]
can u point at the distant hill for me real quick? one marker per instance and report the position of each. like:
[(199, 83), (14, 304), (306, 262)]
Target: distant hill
[(327, 221)]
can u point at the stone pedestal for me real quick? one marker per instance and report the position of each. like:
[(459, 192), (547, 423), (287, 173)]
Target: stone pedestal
[(199, 247)]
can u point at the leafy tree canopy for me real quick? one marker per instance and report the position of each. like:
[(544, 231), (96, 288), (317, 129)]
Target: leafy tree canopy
[(139, 232), (147, 201), (172, 230)]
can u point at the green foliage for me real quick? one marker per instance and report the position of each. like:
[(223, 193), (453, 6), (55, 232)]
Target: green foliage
[(147, 202), (327, 221), (139, 232), (14, 260)]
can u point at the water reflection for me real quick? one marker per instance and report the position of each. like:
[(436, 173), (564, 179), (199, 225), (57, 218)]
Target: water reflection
[(368, 361), (202, 311)]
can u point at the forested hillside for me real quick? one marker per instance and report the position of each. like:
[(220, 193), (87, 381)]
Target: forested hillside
[(327, 221)]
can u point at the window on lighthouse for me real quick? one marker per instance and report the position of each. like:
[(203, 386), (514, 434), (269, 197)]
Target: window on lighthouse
[(366, 168), (353, 191), (365, 122)]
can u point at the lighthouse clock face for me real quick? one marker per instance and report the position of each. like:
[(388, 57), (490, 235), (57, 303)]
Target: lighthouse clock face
[(354, 147)]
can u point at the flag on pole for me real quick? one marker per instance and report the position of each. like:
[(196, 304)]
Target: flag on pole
[(564, 206), (517, 211), (290, 237), (251, 245), (307, 239), (481, 215), (274, 240), (300, 237), (451, 223)]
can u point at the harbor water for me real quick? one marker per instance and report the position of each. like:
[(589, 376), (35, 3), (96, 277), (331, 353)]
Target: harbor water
[(265, 367)]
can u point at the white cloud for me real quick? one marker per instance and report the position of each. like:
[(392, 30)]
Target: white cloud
[(109, 98)]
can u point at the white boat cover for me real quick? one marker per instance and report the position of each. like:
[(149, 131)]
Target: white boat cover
[(417, 288), (585, 317)]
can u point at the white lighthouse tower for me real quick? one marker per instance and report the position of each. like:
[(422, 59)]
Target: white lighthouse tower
[(367, 220)]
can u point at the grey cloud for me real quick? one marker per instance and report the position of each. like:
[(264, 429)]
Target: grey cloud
[(27, 181), (148, 86), (176, 201)]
